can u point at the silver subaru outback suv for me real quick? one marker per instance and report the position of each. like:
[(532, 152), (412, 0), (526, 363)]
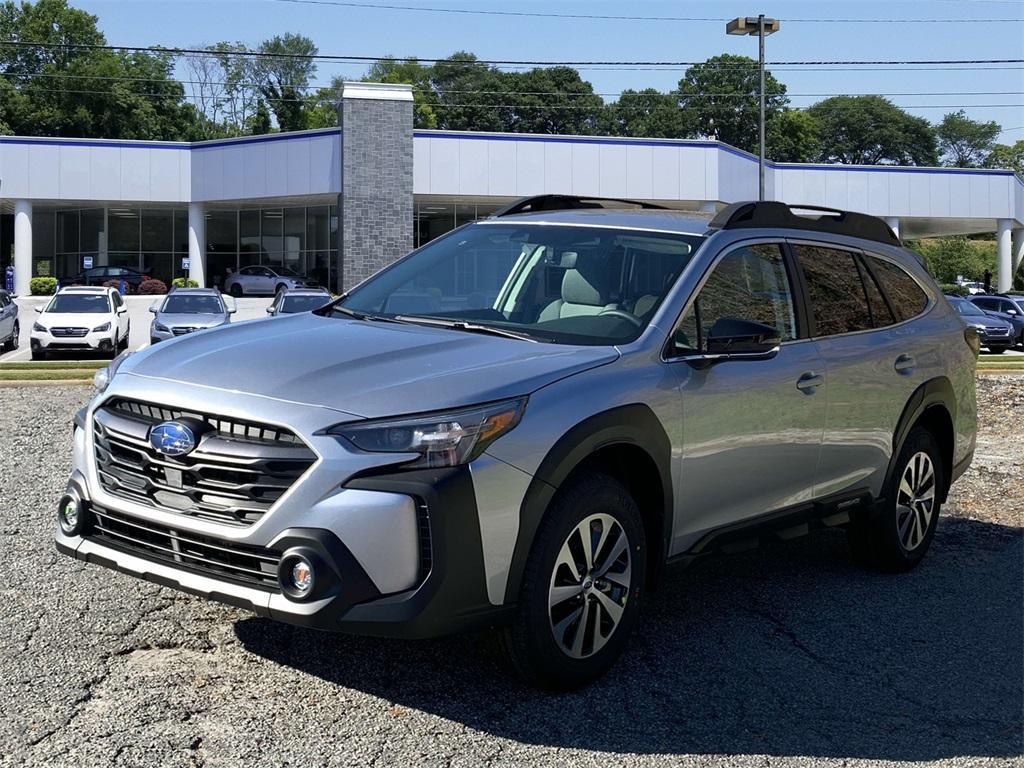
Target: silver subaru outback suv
[(522, 424)]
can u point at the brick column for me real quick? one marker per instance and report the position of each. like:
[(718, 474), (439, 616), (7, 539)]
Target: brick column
[(375, 208)]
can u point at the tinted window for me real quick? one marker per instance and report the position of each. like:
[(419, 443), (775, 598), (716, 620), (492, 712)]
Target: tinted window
[(290, 304), (905, 295), (881, 315), (836, 292), (965, 307), (749, 283), (192, 304), (75, 303)]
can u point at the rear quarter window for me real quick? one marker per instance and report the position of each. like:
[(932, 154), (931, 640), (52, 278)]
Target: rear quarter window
[(908, 299)]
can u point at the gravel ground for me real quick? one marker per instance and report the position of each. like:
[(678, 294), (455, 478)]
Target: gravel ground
[(787, 656)]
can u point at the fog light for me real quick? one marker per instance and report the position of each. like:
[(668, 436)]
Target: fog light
[(302, 576), (70, 515)]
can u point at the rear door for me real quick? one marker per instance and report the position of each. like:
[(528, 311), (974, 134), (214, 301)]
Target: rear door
[(751, 428), (874, 359), (7, 312)]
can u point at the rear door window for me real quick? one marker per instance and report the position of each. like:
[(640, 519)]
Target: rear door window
[(836, 292), (881, 315), (908, 299)]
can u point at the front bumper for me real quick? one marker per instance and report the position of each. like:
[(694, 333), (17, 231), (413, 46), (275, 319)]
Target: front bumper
[(404, 550), (95, 341)]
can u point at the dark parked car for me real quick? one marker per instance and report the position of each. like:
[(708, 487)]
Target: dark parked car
[(995, 333), (9, 327), (1005, 307), (101, 275), (300, 300)]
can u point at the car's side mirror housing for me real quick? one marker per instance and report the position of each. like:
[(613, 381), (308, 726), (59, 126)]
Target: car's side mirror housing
[(39, 310), (732, 337), (122, 309), (153, 309), (270, 310)]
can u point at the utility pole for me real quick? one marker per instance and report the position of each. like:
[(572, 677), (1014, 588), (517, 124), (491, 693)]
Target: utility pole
[(762, 27)]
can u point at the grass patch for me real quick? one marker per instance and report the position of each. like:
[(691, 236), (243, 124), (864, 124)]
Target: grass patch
[(56, 365), (67, 374)]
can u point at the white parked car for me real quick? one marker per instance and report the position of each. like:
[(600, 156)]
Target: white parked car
[(86, 319)]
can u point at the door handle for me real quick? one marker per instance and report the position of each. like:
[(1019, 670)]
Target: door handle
[(904, 364), (809, 382)]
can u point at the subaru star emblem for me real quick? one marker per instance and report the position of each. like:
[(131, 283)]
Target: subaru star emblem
[(172, 439)]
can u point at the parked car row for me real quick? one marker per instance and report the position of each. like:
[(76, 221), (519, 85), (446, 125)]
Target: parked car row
[(998, 319)]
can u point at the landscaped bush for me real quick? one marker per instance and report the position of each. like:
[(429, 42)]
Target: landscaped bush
[(42, 286), (954, 289), (184, 282), (152, 287)]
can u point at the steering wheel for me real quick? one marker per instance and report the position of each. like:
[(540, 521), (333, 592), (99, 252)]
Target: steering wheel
[(622, 314)]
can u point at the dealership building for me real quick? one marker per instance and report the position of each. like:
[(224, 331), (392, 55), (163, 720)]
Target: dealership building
[(340, 203)]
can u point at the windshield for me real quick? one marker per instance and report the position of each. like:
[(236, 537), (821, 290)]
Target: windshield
[(79, 304), (292, 304), (184, 304), (967, 308), (555, 283)]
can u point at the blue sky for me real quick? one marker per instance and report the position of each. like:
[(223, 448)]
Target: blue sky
[(362, 31)]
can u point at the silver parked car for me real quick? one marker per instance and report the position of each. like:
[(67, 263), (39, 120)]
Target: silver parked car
[(522, 424), (265, 280), (299, 300), (10, 327), (185, 310)]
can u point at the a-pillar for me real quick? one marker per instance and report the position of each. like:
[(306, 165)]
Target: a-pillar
[(375, 222), (22, 246), (197, 243), (894, 224), (1004, 262)]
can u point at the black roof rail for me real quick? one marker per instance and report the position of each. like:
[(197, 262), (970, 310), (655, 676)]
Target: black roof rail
[(770, 213), (567, 203)]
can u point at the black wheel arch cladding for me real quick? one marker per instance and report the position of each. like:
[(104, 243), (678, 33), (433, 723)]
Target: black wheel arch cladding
[(934, 404), (633, 426)]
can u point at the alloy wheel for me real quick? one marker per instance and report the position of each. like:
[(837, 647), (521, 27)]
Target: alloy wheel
[(589, 585), (915, 501)]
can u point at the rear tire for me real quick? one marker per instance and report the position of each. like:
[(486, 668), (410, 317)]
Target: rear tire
[(582, 586), (897, 538), (236, 290)]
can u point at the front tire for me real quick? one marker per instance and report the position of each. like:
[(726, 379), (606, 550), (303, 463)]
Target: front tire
[(12, 343), (236, 290), (582, 587), (996, 350), (897, 538), (39, 354)]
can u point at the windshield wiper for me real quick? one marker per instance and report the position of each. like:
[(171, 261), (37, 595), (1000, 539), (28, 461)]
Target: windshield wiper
[(360, 315), (461, 325)]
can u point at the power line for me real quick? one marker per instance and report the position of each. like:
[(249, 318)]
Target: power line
[(608, 17), (478, 62)]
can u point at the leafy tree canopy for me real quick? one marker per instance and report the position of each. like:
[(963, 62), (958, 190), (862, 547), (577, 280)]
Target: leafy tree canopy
[(963, 142), (649, 113), (1007, 156), (872, 130), (794, 136)]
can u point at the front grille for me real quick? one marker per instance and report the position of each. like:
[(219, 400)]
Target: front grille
[(219, 558), (69, 332), (997, 331), (181, 330), (234, 475)]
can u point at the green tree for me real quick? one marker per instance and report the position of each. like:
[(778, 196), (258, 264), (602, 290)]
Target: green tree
[(553, 100), (965, 143), (794, 136), (951, 257), (1007, 156), (417, 75), (470, 96), (721, 96), (284, 70), (649, 113), (259, 122), (872, 130)]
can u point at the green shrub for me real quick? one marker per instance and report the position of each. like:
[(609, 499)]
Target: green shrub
[(152, 287), (42, 286), (955, 290), (184, 282)]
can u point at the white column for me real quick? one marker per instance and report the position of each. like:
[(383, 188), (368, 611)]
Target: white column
[(1004, 279), (894, 224), (22, 246), (197, 243), (1017, 250)]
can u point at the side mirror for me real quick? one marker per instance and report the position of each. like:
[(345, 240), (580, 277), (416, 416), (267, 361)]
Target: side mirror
[(1012, 312), (39, 310), (122, 309), (152, 308), (732, 337), (270, 310)]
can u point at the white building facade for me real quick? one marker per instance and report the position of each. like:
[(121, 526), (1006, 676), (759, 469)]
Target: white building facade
[(201, 209)]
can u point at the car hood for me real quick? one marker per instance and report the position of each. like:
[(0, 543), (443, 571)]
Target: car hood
[(88, 320), (988, 321), (190, 320), (364, 368)]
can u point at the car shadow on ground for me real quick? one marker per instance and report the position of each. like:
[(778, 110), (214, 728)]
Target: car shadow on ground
[(790, 651)]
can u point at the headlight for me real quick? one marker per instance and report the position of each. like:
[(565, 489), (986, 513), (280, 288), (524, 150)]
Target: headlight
[(102, 378), (101, 328), (161, 328), (38, 327), (441, 440)]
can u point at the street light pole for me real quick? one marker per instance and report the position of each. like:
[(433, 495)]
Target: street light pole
[(762, 27)]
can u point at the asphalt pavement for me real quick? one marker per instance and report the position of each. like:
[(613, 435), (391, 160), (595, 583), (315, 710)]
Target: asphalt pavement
[(790, 656)]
